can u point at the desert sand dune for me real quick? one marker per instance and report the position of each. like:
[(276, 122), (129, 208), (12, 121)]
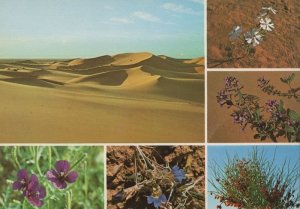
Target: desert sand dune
[(132, 97)]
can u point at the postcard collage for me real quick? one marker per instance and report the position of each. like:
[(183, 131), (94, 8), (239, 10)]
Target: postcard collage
[(150, 104)]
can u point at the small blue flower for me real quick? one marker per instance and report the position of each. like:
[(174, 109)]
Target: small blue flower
[(178, 173), (235, 33), (156, 201)]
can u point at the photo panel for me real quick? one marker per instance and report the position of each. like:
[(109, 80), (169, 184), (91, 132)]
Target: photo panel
[(141, 177), (102, 71), (253, 34), (52, 177), (264, 176), (260, 106)]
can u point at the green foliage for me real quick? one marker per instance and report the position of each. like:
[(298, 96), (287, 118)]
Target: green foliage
[(86, 193), (270, 119), (255, 183)]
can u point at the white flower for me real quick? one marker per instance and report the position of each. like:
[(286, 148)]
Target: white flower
[(253, 37), (266, 24), (234, 34), (262, 15), (270, 9)]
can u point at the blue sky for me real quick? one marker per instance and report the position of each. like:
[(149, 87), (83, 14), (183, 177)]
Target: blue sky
[(88, 28), (218, 154)]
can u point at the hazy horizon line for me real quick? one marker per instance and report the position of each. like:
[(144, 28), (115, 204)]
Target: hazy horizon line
[(87, 57)]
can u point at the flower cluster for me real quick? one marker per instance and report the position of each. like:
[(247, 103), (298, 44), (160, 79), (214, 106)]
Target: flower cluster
[(241, 117), (254, 36), (248, 110), (34, 192), (157, 197), (30, 187), (272, 105), (224, 96)]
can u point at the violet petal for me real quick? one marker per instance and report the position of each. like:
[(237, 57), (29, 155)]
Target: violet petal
[(71, 177), (52, 175), (22, 174), (59, 184), (62, 166), (35, 201)]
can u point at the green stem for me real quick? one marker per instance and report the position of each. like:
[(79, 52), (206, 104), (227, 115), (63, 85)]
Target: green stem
[(85, 180), (15, 155), (78, 161), (49, 157), (69, 199), (36, 158)]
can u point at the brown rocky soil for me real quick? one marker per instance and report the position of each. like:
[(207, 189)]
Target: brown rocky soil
[(130, 180)]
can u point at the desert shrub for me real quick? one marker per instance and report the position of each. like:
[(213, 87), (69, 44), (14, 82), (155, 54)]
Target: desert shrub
[(255, 183), (270, 119)]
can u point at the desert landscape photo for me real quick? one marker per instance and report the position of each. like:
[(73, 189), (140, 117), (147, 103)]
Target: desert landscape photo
[(253, 34), (103, 76)]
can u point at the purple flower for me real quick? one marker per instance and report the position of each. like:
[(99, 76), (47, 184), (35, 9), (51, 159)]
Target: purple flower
[(241, 117), (35, 193), (156, 200), (272, 105), (30, 187), (23, 180), (224, 98), (231, 82), (62, 174), (262, 82), (178, 173)]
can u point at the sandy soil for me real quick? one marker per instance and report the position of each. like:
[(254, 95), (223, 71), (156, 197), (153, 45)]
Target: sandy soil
[(220, 125), (133, 97), (121, 166), (280, 48)]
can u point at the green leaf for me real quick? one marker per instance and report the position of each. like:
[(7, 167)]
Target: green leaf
[(280, 107), (291, 77), (289, 129), (293, 115)]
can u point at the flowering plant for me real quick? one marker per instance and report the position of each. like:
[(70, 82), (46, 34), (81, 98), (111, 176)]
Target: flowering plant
[(154, 182), (30, 181), (255, 183), (247, 109), (244, 43)]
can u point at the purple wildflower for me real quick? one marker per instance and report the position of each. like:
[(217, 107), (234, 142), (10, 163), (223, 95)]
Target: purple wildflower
[(178, 173), (61, 175), (223, 97), (240, 117), (156, 201), (30, 187), (272, 105), (231, 82), (23, 180), (35, 193), (262, 82)]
